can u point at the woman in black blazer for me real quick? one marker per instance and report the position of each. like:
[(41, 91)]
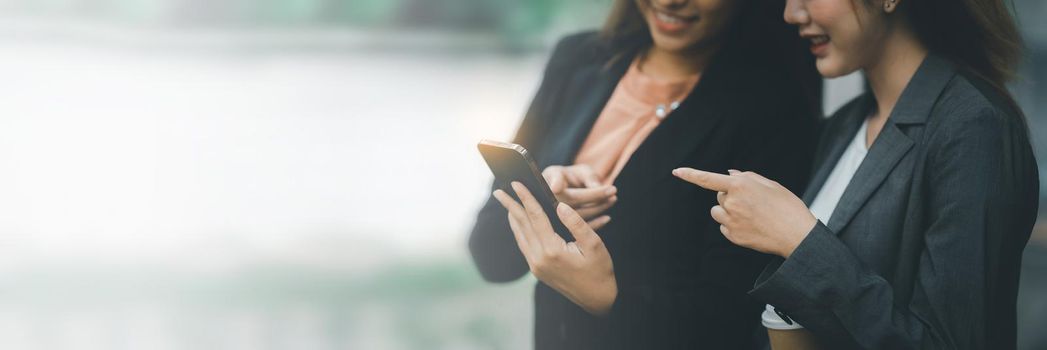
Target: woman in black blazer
[(676, 282), (923, 247)]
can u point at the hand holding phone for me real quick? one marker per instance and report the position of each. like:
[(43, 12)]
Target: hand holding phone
[(581, 188), (575, 185), (511, 163), (580, 270)]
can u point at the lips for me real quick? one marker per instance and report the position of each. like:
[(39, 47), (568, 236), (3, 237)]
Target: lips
[(671, 22), (819, 44)]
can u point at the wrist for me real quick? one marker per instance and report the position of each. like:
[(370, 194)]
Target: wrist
[(604, 301), (797, 237)]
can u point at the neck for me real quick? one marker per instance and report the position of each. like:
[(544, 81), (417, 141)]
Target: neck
[(667, 64), (901, 56)]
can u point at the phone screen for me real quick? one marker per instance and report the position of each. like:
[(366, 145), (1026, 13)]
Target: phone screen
[(510, 162)]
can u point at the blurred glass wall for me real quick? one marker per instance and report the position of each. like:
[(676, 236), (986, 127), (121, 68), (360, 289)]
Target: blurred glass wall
[(282, 174)]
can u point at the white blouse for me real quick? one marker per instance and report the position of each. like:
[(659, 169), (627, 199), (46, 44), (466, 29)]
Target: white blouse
[(825, 203)]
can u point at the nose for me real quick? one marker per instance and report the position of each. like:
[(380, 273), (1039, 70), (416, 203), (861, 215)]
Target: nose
[(796, 12)]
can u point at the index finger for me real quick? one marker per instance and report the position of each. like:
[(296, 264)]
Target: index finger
[(705, 179), (589, 195), (554, 177), (588, 177)]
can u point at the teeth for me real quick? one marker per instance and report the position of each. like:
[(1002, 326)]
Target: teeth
[(820, 39), (667, 18)]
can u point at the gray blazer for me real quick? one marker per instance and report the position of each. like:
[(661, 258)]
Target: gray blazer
[(924, 249)]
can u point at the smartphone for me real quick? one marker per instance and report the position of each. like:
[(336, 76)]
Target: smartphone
[(510, 162)]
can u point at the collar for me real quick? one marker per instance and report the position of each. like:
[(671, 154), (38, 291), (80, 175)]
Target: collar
[(915, 104)]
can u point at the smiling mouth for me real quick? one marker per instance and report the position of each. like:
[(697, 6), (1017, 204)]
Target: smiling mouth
[(670, 23), (819, 44), (672, 18)]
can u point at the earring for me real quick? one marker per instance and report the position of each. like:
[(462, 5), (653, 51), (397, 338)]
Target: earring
[(887, 5)]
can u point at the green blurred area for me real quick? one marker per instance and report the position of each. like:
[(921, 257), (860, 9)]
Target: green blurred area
[(516, 21), (436, 304)]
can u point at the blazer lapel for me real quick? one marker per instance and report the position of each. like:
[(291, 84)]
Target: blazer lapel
[(679, 134), (853, 120), (913, 108), (591, 88), (883, 156)]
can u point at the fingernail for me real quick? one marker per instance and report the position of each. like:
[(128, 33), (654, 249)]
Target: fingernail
[(563, 209), (732, 171), (612, 190), (614, 198), (677, 172)]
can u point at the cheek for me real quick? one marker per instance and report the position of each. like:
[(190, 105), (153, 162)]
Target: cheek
[(715, 16), (848, 46), (846, 51)]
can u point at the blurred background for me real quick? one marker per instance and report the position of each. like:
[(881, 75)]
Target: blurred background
[(249, 174)]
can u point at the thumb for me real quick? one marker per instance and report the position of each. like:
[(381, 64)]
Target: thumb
[(591, 180), (555, 179), (578, 227), (588, 176), (556, 184), (763, 179), (751, 175)]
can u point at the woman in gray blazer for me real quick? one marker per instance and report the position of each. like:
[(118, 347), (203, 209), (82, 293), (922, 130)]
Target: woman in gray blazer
[(924, 192)]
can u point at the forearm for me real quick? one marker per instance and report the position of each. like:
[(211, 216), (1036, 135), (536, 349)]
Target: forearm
[(825, 287)]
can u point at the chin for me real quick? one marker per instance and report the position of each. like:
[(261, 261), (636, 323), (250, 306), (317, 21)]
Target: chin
[(830, 69), (671, 45)]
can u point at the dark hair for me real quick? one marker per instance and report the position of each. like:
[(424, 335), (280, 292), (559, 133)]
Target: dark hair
[(758, 26), (625, 28), (978, 35), (757, 30)]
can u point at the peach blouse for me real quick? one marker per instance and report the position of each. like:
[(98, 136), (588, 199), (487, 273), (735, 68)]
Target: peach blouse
[(629, 116)]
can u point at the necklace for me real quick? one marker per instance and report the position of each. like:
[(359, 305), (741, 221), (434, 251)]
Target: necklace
[(660, 111)]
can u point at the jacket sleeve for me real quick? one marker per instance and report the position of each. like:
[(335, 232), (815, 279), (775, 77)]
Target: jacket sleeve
[(824, 286), (491, 242)]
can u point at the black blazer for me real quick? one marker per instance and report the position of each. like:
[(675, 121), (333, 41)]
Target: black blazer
[(923, 250), (681, 284)]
